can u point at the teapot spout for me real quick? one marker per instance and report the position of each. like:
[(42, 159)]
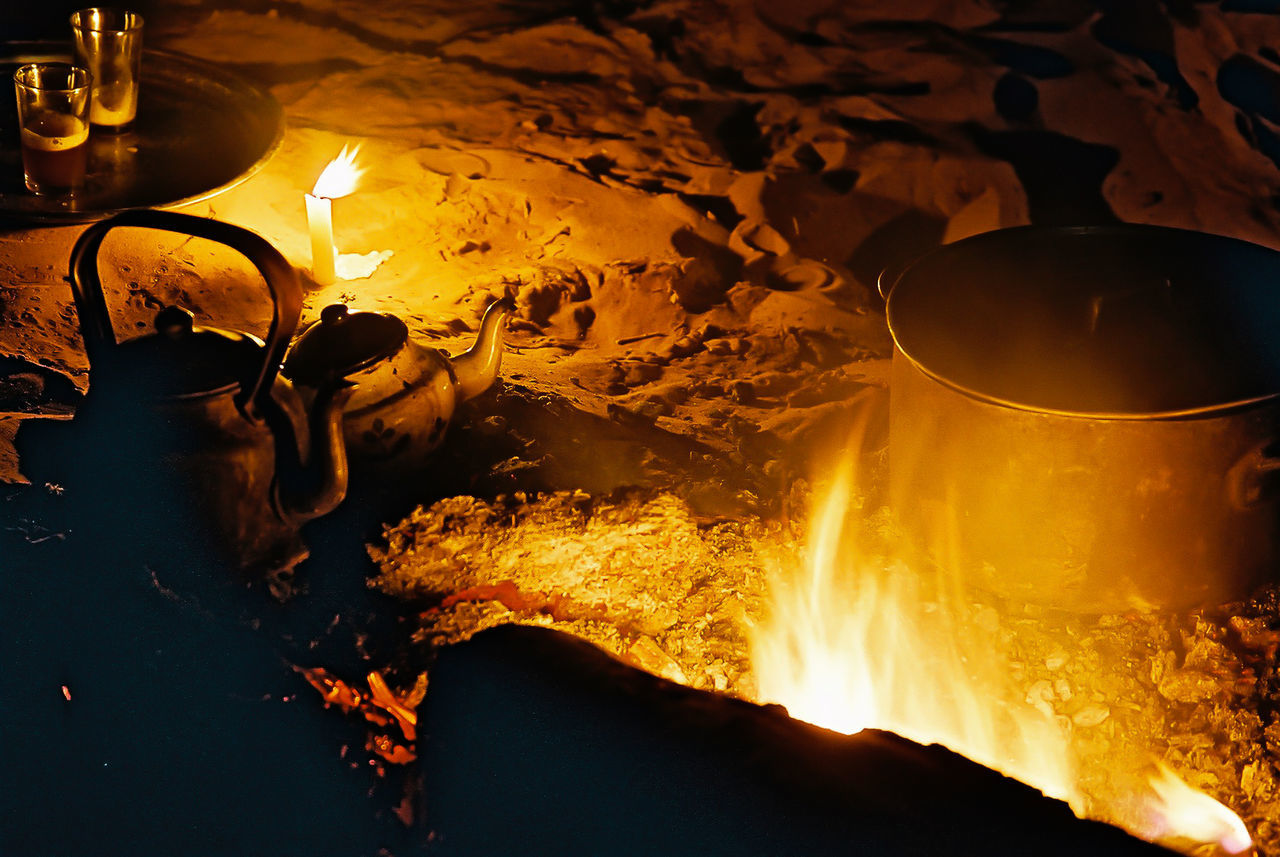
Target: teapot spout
[(312, 477), (477, 368)]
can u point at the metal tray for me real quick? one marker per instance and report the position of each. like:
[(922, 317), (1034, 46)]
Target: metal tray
[(200, 129)]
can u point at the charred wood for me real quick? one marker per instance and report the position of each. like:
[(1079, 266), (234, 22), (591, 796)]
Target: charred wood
[(535, 742)]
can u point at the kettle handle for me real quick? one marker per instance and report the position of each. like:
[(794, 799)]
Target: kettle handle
[(280, 276)]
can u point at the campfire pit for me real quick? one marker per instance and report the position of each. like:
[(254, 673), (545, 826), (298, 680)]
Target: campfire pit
[(1080, 706)]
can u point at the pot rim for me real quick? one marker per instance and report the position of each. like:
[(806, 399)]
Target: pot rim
[(1203, 412), (890, 279)]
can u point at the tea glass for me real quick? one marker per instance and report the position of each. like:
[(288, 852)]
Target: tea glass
[(108, 42), (53, 121)]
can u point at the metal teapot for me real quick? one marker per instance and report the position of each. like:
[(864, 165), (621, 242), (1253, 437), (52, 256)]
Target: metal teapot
[(406, 393), (192, 428)]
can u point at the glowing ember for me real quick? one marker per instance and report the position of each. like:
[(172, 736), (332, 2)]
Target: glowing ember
[(1177, 812), (340, 177)]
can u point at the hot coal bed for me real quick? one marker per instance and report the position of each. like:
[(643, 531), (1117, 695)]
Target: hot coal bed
[(629, 472)]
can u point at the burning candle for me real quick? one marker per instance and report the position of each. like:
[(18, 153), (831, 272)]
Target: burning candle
[(337, 179), (320, 221)]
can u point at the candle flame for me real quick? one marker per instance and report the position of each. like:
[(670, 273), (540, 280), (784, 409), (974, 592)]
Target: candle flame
[(340, 176)]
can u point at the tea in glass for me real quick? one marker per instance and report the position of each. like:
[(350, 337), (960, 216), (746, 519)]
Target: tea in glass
[(53, 120)]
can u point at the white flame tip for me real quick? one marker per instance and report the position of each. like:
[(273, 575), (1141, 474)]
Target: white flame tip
[(340, 176), (1177, 810)]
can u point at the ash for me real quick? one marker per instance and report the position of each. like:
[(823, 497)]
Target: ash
[(637, 575)]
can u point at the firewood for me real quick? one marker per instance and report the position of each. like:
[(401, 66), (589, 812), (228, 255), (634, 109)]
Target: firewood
[(535, 742)]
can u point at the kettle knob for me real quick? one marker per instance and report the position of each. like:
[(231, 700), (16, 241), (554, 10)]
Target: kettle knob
[(174, 322)]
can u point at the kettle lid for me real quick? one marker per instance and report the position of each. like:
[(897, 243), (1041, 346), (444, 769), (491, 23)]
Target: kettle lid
[(343, 342), (182, 359)]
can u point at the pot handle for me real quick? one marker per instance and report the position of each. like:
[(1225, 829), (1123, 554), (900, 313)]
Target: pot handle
[(280, 276), (888, 279), (1253, 479)]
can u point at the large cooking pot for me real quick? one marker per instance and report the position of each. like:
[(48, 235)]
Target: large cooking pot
[(1087, 418)]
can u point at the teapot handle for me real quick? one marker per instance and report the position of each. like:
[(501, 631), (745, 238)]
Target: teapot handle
[(280, 276)]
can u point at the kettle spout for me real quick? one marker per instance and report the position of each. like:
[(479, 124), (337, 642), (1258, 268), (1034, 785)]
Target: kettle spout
[(477, 368), (309, 487)]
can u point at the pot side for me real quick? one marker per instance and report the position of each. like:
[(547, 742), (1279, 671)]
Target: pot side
[(1080, 513)]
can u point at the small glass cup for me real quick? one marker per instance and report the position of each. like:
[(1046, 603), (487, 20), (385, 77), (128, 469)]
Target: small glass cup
[(53, 121), (108, 42)]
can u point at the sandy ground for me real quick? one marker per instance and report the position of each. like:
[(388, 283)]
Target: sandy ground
[(690, 202)]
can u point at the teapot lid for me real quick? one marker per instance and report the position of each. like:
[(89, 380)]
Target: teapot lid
[(181, 359), (343, 342)]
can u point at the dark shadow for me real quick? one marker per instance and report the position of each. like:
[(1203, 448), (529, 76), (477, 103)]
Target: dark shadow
[(1062, 176)]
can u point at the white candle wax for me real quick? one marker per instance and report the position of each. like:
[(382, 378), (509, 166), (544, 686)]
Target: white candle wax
[(320, 222)]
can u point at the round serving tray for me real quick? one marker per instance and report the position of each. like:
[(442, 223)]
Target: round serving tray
[(200, 130)]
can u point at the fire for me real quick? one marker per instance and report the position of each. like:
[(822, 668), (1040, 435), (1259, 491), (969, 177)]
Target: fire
[(1177, 812), (857, 641), (340, 177)]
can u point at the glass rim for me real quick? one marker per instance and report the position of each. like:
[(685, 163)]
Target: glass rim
[(25, 71), (132, 20)]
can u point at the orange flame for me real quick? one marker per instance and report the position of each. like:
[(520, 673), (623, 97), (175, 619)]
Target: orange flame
[(340, 177), (856, 641), (1177, 812)]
